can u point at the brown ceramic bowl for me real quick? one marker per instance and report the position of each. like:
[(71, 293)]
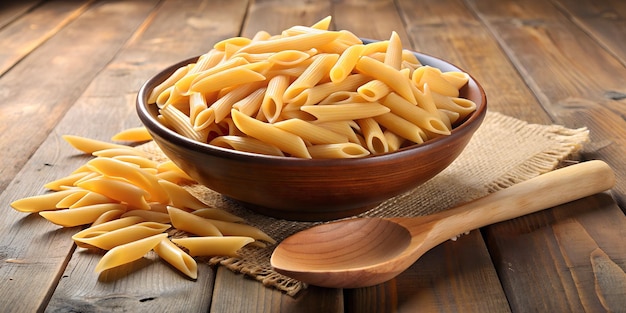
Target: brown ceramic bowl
[(318, 189)]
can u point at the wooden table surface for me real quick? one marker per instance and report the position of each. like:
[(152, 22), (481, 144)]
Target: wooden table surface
[(74, 67)]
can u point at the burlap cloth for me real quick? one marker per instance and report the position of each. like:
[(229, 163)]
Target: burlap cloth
[(502, 152)]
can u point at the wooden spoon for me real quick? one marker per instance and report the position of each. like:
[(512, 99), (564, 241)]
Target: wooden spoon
[(363, 252)]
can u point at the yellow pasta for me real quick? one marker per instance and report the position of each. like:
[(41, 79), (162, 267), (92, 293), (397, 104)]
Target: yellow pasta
[(176, 257), (129, 252), (269, 134), (134, 134), (246, 144), (218, 214), (338, 150), (107, 217), (149, 215), (71, 199), (66, 181), (179, 197), (43, 202), (238, 229), (140, 161), (375, 141), (93, 230), (118, 190), (192, 223), (339, 112), (212, 246), (311, 74), (111, 239), (80, 216), (88, 145)]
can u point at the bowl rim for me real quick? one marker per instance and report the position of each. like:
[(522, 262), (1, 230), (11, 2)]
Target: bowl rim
[(161, 130)]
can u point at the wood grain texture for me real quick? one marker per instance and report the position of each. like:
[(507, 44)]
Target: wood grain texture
[(262, 299), (34, 96), (24, 35), (574, 240), (13, 9), (560, 48)]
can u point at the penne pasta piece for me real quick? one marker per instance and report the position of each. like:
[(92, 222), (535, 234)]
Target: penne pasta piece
[(223, 106), (289, 57), (142, 162), (66, 181), (349, 111), (44, 202), (190, 223), (114, 224), (185, 83), (70, 199), (88, 145), (197, 104), (213, 246), (114, 152), (169, 82), (107, 217), (207, 61), (237, 41), (311, 76), (272, 103), (373, 90), (373, 135), (251, 104), (149, 216), (310, 132), (118, 190), (338, 150), (402, 127), (179, 197), (176, 257), (456, 79), (387, 74), (134, 134), (80, 216), (345, 128), (170, 166), (416, 115), (393, 54), (246, 144), (462, 106), (437, 83), (218, 214), (394, 142), (300, 42), (269, 134), (132, 173), (346, 62), (230, 77), (238, 229), (180, 122), (321, 92), (129, 252), (343, 97), (322, 24), (111, 239)]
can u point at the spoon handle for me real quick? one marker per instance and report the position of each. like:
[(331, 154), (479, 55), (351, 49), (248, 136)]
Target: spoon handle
[(544, 191)]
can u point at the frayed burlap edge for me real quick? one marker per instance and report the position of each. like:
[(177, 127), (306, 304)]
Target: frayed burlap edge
[(521, 162)]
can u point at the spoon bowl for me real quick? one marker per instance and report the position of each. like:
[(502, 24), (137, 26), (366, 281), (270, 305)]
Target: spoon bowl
[(363, 252)]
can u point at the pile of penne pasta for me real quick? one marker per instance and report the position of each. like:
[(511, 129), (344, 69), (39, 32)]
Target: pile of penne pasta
[(311, 93), (130, 203)]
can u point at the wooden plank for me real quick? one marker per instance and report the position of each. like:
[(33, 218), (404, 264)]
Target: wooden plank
[(448, 30), (371, 19), (579, 247), (176, 31), (34, 96), (455, 276), (274, 16), (566, 75), (263, 299), (34, 251), (12, 10), (28, 32), (605, 21)]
